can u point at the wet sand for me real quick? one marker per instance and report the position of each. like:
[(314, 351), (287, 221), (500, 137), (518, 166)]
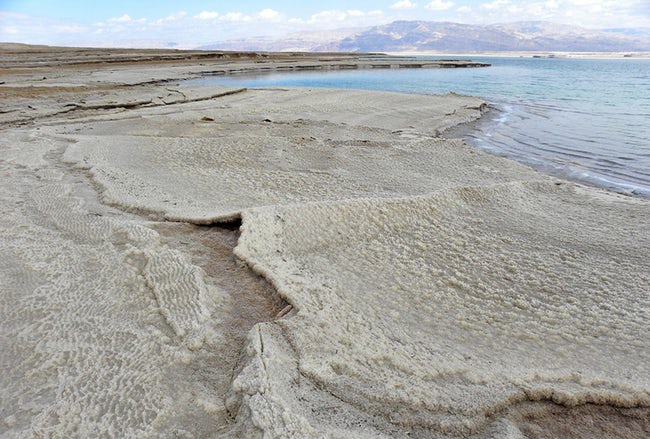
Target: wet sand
[(221, 262)]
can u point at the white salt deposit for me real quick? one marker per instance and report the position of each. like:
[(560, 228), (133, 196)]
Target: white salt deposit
[(99, 319), (444, 310), (259, 150), (437, 291)]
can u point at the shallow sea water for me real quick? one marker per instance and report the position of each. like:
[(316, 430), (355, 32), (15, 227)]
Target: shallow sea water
[(583, 119)]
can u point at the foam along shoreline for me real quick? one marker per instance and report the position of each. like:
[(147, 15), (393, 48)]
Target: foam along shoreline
[(478, 132), (435, 290)]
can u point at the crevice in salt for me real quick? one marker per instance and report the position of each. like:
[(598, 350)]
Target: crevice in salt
[(245, 297)]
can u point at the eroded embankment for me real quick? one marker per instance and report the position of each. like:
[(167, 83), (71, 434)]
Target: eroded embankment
[(253, 299), (29, 105)]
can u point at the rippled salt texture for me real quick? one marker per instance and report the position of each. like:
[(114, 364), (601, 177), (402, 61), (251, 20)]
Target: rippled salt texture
[(100, 322), (288, 147), (443, 310), (435, 287)]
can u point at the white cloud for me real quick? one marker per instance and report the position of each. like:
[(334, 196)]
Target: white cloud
[(269, 14), (330, 16), (11, 30), (582, 2), (356, 13), (153, 30), (336, 19), (551, 4), (123, 19), (403, 4), (496, 4), (235, 17), (585, 13), (69, 28), (21, 28), (177, 16), (207, 15), (172, 18), (439, 5)]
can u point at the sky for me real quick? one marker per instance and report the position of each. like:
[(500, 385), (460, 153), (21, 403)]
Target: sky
[(191, 23)]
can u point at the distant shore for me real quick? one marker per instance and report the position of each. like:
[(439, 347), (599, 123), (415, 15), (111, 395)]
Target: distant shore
[(541, 54), (185, 261), (231, 62)]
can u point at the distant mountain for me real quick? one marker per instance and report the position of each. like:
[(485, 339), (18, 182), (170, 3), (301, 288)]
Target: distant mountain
[(634, 32), (309, 41), (414, 36)]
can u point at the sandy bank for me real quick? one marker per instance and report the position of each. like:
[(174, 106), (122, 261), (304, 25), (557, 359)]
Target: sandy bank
[(434, 290)]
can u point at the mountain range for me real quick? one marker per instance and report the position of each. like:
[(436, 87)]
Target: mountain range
[(414, 36)]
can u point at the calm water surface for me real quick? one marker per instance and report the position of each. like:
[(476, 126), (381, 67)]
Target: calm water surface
[(584, 119)]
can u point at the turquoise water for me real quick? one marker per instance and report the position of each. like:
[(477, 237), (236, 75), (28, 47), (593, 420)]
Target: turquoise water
[(584, 119)]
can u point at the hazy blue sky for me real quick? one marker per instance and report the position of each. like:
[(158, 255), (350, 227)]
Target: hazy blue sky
[(193, 22)]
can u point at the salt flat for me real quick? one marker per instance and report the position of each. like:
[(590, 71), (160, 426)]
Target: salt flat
[(388, 282)]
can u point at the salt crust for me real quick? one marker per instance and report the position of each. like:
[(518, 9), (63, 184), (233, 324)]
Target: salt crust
[(283, 146), (444, 310), (101, 323), (434, 287)]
